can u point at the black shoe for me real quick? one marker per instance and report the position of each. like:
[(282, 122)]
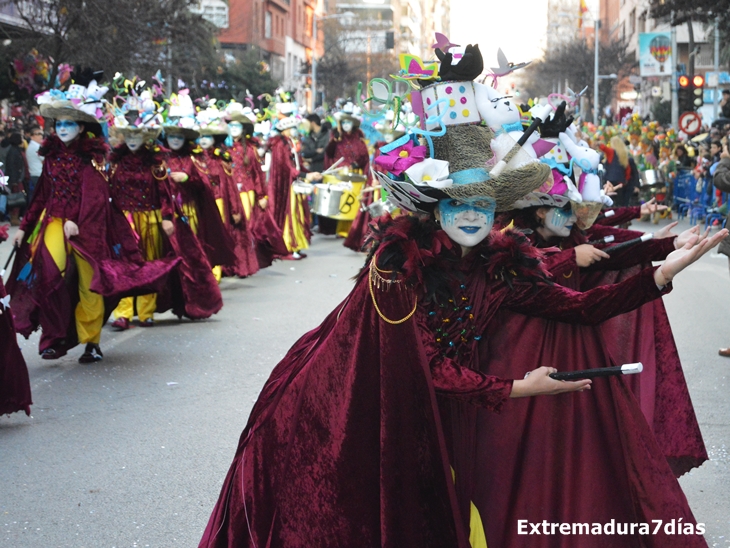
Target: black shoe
[(91, 354), (53, 353)]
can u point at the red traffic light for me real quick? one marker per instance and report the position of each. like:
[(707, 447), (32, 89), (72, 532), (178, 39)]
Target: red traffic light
[(698, 81), (684, 81)]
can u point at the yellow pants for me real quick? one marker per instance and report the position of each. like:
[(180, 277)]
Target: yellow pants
[(147, 225), (89, 312), (299, 242), (217, 270), (248, 199), (191, 212)]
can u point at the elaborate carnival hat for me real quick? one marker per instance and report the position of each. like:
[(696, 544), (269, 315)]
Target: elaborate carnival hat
[(210, 120), (180, 116), (80, 103), (134, 110)]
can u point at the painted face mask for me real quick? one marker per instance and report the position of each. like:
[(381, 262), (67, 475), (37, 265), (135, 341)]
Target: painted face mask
[(467, 222), (176, 142), (134, 142), (559, 222), (235, 129), (67, 129), (206, 141), (347, 126), (388, 137)]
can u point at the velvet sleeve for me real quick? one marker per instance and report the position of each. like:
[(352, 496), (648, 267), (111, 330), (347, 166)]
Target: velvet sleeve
[(592, 307), (619, 234), (259, 178), (621, 216), (462, 383), (561, 262), (37, 204)]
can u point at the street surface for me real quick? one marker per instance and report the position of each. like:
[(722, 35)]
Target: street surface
[(132, 452)]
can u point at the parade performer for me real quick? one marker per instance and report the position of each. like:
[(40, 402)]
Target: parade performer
[(14, 382), (348, 142), (192, 194), (251, 182), (291, 210), (77, 248), (138, 186), (215, 165), (352, 417)]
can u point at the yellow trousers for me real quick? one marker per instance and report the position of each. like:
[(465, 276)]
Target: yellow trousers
[(217, 270), (147, 225), (89, 312), (248, 199), (299, 241)]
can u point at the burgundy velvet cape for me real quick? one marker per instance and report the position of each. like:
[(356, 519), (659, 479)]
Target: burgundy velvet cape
[(643, 335), (191, 289), (14, 381), (344, 445), (221, 181), (282, 174), (105, 241)]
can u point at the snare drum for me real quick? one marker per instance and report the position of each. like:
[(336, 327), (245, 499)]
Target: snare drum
[(336, 199)]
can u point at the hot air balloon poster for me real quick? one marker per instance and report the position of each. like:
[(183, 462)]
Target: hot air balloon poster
[(655, 54)]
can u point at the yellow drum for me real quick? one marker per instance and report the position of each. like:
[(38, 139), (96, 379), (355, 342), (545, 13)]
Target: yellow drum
[(338, 196)]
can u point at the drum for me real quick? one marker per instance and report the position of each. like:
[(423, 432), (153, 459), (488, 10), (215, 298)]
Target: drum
[(337, 199), (301, 187)]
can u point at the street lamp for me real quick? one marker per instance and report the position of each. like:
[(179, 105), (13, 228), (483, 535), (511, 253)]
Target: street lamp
[(316, 18)]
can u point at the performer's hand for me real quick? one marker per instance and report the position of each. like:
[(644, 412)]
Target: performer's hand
[(18, 238), (539, 383), (608, 188), (651, 207), (70, 229), (236, 218), (680, 259), (586, 255), (179, 176), (681, 240), (666, 232), (168, 227), (263, 202)]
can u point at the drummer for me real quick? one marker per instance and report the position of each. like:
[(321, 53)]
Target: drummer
[(348, 142)]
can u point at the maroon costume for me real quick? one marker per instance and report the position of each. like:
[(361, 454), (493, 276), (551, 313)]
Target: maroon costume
[(73, 186), (251, 181), (14, 381), (195, 196), (139, 182), (353, 149), (352, 417), (213, 166)]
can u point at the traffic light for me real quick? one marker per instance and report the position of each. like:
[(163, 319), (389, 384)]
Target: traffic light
[(684, 94), (698, 91)]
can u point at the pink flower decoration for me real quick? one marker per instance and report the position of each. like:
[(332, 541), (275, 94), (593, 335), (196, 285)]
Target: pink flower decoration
[(398, 160)]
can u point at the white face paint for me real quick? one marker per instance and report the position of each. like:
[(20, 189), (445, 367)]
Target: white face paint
[(559, 222), (134, 141), (206, 141), (467, 222), (388, 137), (235, 129), (67, 129), (347, 126), (176, 142)]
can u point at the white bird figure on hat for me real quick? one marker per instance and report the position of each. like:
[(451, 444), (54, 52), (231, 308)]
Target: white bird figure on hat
[(587, 160)]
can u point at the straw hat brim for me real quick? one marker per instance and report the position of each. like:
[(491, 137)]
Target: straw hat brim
[(213, 131), (147, 132), (57, 112), (341, 117), (239, 117), (191, 134)]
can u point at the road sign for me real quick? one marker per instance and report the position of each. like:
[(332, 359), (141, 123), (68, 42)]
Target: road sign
[(690, 123)]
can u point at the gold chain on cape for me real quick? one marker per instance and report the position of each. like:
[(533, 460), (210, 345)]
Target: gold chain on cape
[(385, 283)]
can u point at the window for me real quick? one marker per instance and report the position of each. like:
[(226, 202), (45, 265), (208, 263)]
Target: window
[(632, 21), (642, 22), (267, 25), (309, 29)]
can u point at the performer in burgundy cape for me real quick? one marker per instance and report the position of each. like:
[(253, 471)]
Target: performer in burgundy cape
[(352, 417), (348, 142), (250, 180), (14, 381), (192, 194), (214, 164), (644, 335), (291, 210), (77, 248)]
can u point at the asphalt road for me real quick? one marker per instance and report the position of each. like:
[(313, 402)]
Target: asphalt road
[(132, 452)]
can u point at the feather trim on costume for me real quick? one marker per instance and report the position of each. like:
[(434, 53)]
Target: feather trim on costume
[(86, 147)]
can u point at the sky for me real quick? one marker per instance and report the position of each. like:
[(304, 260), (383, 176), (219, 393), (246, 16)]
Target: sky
[(518, 27)]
